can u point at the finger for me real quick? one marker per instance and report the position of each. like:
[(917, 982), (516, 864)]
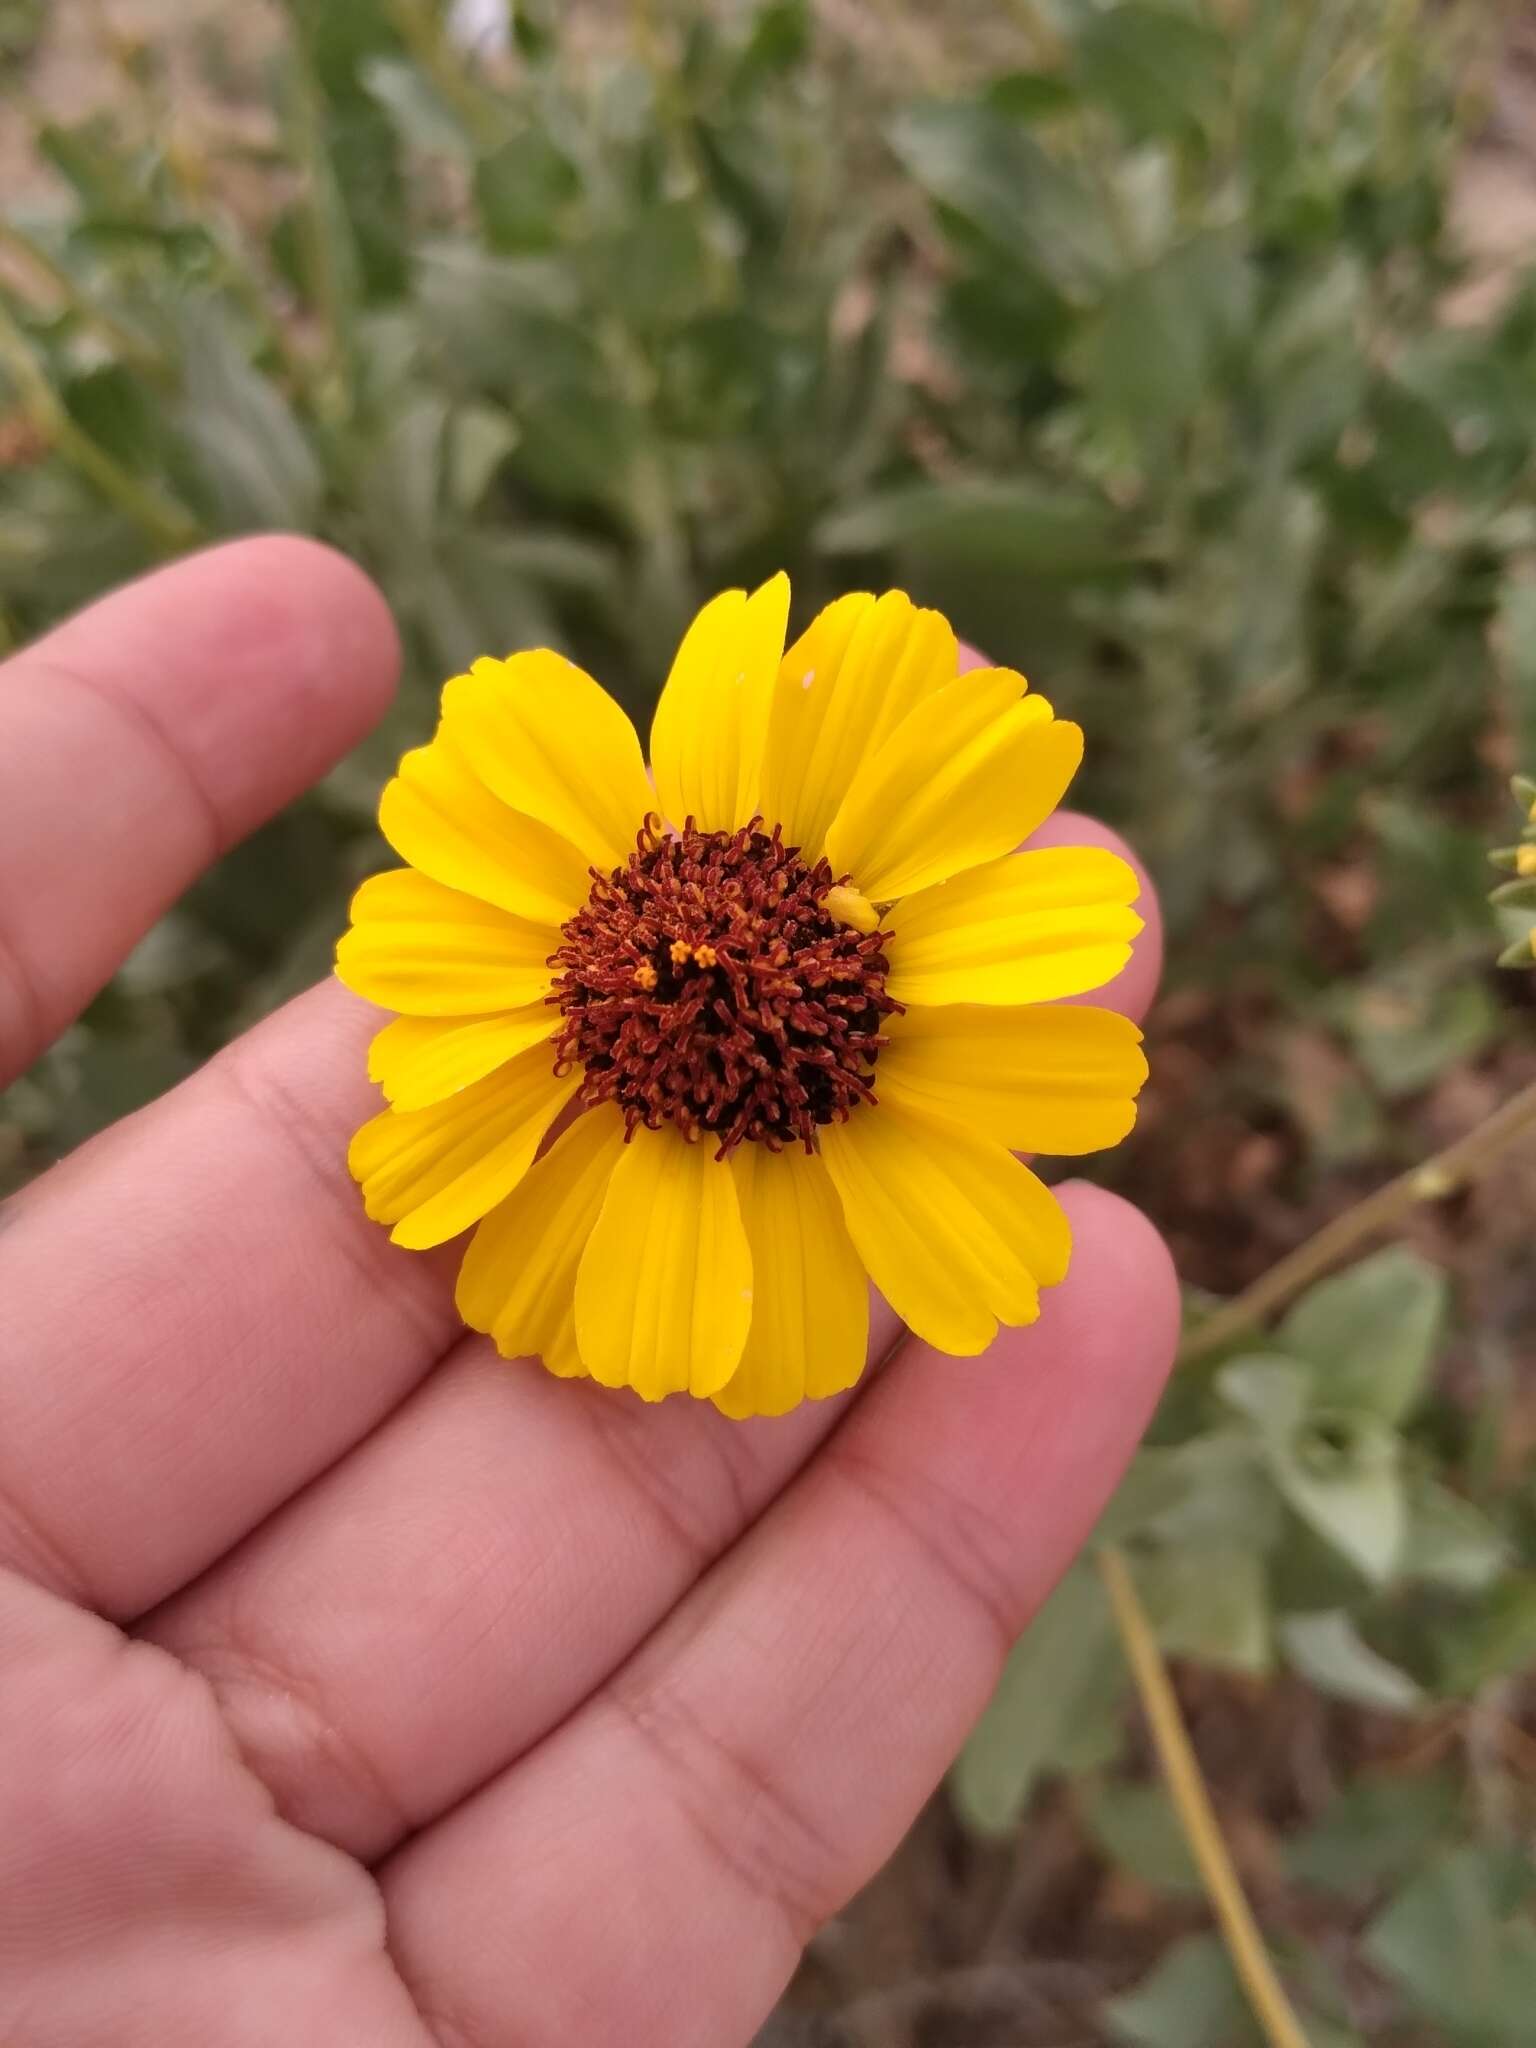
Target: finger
[(146, 736), (199, 1316), (516, 1510), (760, 1756), (360, 1644), (148, 1894)]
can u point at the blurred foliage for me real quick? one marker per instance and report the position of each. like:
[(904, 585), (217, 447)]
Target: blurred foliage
[(1515, 900), (21, 24), (1127, 347)]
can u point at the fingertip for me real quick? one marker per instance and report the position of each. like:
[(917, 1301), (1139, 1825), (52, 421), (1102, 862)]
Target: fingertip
[(316, 604), (261, 660), (1121, 1284), (1035, 1433), (1087, 1373)]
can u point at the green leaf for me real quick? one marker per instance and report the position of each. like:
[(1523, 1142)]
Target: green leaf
[(656, 270), (122, 414), (1161, 71), (422, 119), (1208, 1603), (577, 445), (1277, 543), (1274, 1393), (1342, 1475), (498, 321), (1191, 1999), (1057, 1707), (524, 189), (984, 168), (1157, 1483), (1031, 95), (402, 478), (250, 452), (1308, 367), (1212, 1491), (780, 40), (1516, 641), (1460, 1943), (1435, 870), (1150, 354), (1409, 1027), (190, 248), (1338, 1468), (1497, 1638), (90, 158), (1328, 1650), (1450, 1542), (1136, 1827), (1378, 1831), (1372, 1331), (1034, 528), (480, 437)]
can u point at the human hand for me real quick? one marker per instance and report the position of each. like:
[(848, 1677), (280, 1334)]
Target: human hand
[(356, 1686)]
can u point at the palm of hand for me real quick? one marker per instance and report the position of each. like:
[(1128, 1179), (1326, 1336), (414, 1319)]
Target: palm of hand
[(354, 1686)]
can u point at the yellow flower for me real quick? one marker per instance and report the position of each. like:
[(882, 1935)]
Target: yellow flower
[(809, 1022)]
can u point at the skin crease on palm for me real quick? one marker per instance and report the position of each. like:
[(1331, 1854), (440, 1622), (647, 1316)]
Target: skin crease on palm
[(361, 1690)]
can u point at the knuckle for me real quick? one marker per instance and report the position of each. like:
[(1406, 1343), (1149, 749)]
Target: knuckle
[(746, 1824)]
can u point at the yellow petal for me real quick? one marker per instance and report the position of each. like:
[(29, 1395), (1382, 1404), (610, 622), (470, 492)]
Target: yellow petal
[(707, 737), (842, 690), (433, 952), (433, 1172), (964, 777), (956, 1233), (810, 1302), (1042, 1079), (664, 1292), (553, 744), (1027, 929), (518, 1280), (439, 815), (419, 1060)]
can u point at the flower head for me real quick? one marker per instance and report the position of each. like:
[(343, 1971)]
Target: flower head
[(789, 1014)]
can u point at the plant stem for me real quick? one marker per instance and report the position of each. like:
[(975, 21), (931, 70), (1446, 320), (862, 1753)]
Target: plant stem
[(166, 524), (1186, 1787), (1429, 1182), (317, 229)]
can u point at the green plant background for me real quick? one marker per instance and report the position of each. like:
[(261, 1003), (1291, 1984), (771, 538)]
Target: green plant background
[(1136, 335)]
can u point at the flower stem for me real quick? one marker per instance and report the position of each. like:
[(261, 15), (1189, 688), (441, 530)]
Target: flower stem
[(166, 524), (1428, 1182), (1186, 1787)]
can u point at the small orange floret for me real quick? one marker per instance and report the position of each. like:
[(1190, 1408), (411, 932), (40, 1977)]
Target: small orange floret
[(705, 956), (682, 952), (645, 976)]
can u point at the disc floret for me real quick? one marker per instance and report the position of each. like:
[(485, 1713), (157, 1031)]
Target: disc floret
[(707, 983)]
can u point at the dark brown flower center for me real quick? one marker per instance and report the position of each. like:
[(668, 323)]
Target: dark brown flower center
[(706, 984)]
